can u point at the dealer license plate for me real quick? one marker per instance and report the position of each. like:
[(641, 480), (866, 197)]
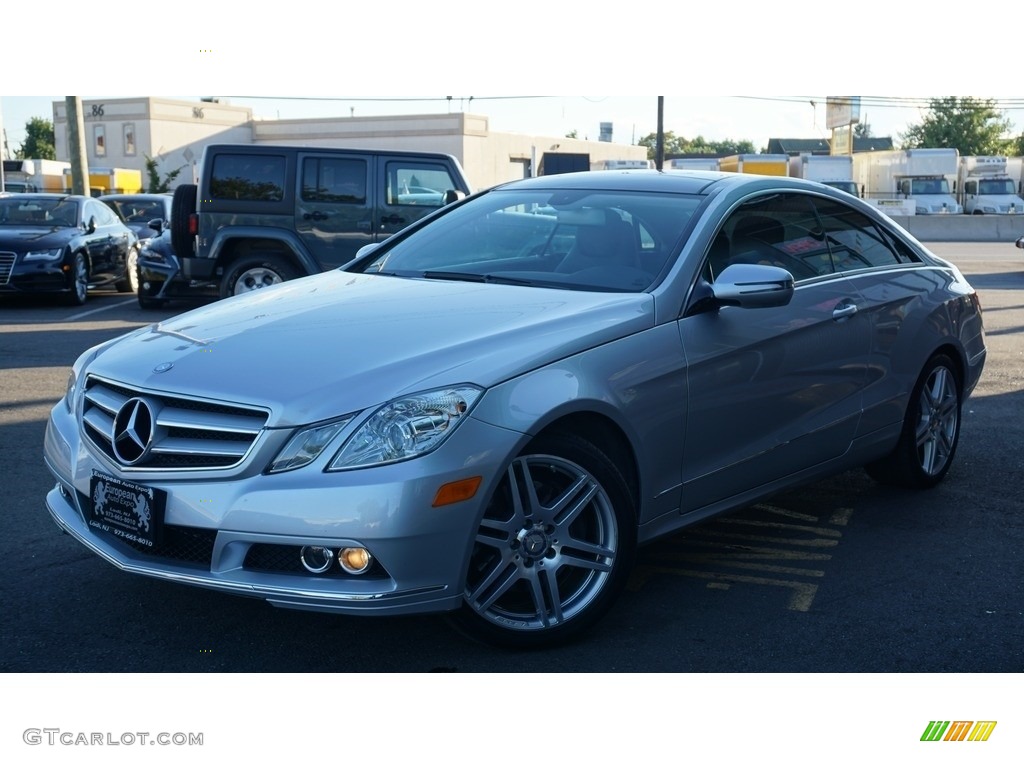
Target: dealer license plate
[(127, 510)]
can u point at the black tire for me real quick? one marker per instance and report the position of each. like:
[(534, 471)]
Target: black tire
[(183, 205), (931, 430), (252, 273), (539, 576), (79, 281), (148, 302), (130, 284)]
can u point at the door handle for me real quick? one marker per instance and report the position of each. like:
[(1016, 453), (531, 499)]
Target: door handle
[(315, 216), (843, 311), (392, 219)]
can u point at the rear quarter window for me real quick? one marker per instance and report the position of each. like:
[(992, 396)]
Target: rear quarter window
[(248, 177)]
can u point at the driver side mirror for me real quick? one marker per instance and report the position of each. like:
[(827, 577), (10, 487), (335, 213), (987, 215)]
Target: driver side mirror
[(451, 195), (90, 227), (1020, 242), (157, 225)]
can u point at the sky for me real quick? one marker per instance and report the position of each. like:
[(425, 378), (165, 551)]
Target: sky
[(745, 76)]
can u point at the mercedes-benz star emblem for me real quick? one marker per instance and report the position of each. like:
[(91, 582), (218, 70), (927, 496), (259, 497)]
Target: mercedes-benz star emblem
[(134, 426), (163, 367)]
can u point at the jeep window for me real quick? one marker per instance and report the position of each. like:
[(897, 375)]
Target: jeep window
[(334, 180), (248, 177), (417, 183)]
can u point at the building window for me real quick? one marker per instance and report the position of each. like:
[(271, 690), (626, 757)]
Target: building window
[(99, 135), (129, 138)]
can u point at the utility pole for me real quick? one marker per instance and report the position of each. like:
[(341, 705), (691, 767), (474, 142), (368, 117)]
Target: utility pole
[(76, 145), (659, 151)]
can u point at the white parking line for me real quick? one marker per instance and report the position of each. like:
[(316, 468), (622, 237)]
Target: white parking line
[(105, 307)]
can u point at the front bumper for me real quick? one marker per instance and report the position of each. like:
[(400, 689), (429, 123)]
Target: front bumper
[(215, 526)]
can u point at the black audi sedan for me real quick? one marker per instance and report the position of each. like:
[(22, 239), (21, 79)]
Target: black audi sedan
[(63, 244)]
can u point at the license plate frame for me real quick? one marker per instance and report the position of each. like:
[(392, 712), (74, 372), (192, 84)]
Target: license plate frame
[(129, 511)]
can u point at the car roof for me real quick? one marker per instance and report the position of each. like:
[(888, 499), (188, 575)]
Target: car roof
[(137, 196), (644, 180), (45, 196)]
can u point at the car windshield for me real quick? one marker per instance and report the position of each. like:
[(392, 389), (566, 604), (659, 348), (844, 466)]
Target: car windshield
[(567, 238), (44, 212)]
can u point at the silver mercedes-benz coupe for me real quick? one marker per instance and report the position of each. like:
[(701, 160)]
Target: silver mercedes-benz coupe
[(489, 412)]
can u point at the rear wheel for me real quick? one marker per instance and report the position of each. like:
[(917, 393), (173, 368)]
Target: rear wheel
[(253, 273), (931, 430), (130, 284), (554, 547), (183, 206)]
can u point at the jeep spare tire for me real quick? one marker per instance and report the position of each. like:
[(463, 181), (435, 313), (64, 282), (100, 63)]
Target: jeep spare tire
[(183, 205)]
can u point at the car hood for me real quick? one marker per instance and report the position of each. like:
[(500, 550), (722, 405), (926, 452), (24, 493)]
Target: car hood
[(322, 346), (17, 238)]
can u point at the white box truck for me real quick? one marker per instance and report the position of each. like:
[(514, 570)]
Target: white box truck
[(983, 185), (921, 175), (692, 164), (831, 170), (34, 175)]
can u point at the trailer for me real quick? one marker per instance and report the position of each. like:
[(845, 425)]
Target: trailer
[(34, 175), (110, 181), (919, 175), (831, 170), (766, 165), (983, 185)]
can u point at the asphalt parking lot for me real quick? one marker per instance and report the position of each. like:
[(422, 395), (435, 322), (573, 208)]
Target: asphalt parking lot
[(841, 576)]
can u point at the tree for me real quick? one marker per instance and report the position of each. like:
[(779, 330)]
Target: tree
[(862, 130), (972, 126), (152, 171), (573, 134), (677, 145), (39, 142)]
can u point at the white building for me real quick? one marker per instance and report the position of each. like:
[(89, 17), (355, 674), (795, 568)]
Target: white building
[(121, 133)]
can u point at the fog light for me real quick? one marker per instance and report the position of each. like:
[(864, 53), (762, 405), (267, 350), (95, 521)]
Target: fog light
[(316, 559), (355, 560)]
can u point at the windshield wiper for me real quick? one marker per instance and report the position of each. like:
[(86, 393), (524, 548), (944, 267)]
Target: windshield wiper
[(475, 277)]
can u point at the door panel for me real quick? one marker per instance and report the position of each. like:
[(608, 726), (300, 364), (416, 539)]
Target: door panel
[(334, 206)]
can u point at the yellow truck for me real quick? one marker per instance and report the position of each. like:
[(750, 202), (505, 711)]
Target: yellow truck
[(109, 181), (766, 165)]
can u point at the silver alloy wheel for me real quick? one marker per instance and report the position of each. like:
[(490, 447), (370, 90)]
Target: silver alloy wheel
[(545, 548), (81, 284), (255, 278), (937, 424)]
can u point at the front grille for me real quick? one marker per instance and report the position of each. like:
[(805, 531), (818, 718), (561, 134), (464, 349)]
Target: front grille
[(6, 267), (186, 433)]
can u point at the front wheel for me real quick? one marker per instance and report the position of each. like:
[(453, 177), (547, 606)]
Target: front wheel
[(931, 430), (79, 281), (553, 549), (253, 273)]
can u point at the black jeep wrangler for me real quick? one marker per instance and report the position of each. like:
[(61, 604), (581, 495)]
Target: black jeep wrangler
[(263, 214)]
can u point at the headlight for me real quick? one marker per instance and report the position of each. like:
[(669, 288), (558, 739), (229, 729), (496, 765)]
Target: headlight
[(73, 391), (921, 211), (407, 427), (69, 393), (306, 445), (48, 255)]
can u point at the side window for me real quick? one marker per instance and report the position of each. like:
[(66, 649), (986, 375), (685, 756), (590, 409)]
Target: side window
[(248, 177), (855, 242), (334, 180), (971, 187), (104, 216), (780, 230), (417, 183)]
